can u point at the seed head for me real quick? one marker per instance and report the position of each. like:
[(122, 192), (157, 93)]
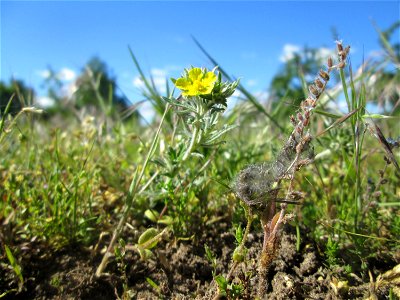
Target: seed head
[(330, 62), (313, 90), (324, 75), (319, 83), (339, 46)]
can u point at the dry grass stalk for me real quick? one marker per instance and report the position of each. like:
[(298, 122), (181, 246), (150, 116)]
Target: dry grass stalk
[(258, 185)]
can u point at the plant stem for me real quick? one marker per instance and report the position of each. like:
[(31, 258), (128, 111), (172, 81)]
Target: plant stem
[(247, 230), (192, 142), (129, 199)]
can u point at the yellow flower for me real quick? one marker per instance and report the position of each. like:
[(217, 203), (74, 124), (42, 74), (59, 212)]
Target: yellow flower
[(196, 82)]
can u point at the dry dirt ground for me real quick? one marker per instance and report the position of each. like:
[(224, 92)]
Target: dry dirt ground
[(181, 271)]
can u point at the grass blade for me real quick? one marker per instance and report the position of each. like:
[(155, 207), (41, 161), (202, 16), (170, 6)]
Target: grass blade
[(15, 266)]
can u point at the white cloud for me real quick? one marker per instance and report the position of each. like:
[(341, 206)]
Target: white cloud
[(66, 74), (160, 83), (158, 72), (138, 82), (262, 96), (158, 76), (44, 102), (69, 89), (323, 53), (289, 50), (147, 111), (251, 82), (43, 73)]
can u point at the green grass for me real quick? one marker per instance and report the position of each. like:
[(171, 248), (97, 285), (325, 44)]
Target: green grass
[(66, 183)]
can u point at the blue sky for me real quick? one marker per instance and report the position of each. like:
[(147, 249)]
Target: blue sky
[(249, 39)]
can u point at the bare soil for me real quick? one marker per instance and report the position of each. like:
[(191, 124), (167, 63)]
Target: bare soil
[(181, 271)]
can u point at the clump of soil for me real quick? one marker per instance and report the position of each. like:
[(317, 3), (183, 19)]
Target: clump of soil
[(181, 271)]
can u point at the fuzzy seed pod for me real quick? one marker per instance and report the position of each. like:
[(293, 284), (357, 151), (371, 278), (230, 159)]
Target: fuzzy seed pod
[(339, 46), (324, 75), (343, 54), (306, 122), (292, 120), (299, 117), (306, 104), (314, 103), (319, 83), (299, 130), (330, 62), (313, 90)]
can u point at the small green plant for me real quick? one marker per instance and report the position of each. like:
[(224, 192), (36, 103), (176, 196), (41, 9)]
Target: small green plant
[(15, 266), (331, 252), (197, 109), (120, 251), (155, 286), (225, 287)]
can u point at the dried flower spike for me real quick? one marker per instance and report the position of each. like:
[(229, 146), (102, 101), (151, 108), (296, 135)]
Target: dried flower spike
[(324, 75), (319, 83), (313, 90), (339, 46), (299, 116), (292, 120), (330, 62), (341, 65)]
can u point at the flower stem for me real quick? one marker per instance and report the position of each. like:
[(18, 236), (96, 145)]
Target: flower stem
[(192, 142)]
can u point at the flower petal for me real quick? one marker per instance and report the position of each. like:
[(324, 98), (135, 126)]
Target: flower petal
[(182, 83), (195, 74), (210, 78)]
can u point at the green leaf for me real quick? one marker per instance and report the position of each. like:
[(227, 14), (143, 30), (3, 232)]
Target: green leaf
[(239, 234), (14, 264), (216, 134), (378, 116), (145, 253), (222, 283), (327, 114), (152, 215), (166, 220), (147, 236), (153, 284), (239, 254), (209, 254)]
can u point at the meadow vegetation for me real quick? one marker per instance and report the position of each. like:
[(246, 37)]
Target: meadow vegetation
[(296, 198)]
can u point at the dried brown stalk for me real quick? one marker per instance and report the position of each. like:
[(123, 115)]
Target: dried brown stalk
[(258, 185)]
